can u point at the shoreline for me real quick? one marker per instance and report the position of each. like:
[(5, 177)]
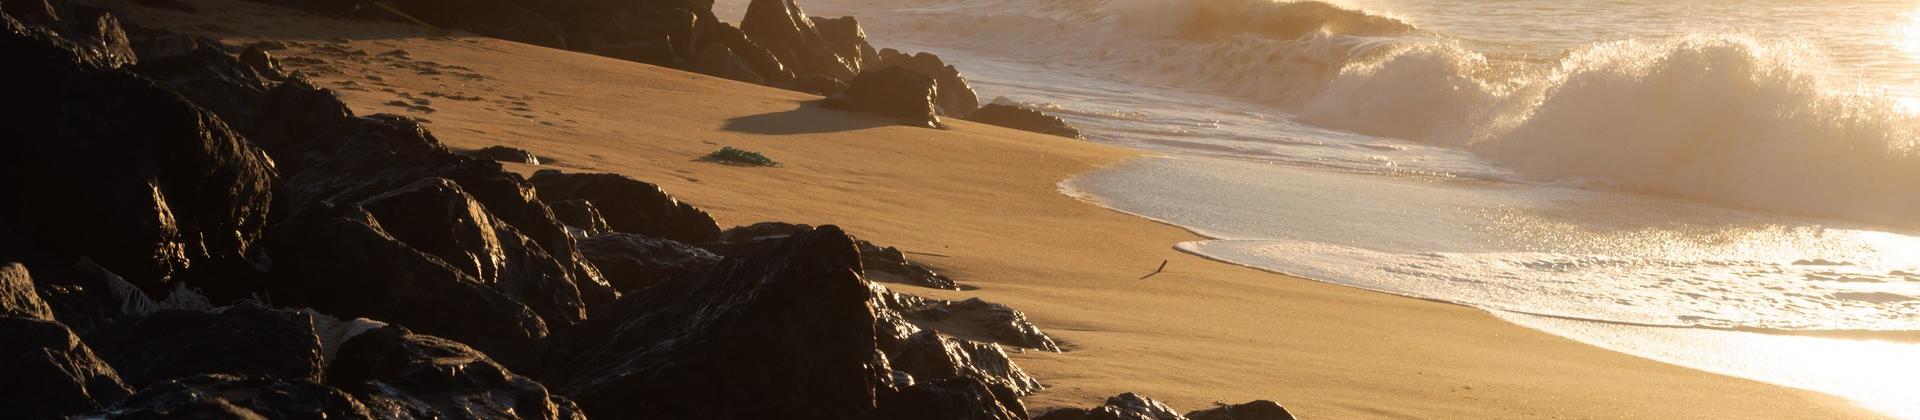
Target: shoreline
[(1047, 253)]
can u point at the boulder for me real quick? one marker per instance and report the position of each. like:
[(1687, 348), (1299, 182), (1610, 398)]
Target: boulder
[(260, 59), (505, 154), (847, 38), (630, 206), (399, 374), (246, 339), (981, 320), (291, 115), (582, 215), (931, 356), (633, 262), (215, 80), (786, 332), (1252, 410), (93, 36), (949, 399), (18, 296), (123, 171), (893, 92), (1128, 406), (50, 373), (786, 31), (220, 396), (1023, 118), (955, 98)]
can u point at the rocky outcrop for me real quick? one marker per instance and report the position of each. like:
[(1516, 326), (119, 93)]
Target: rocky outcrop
[(981, 320), (505, 154), (766, 68), (1023, 118), (243, 340), (930, 356), (786, 332), (786, 31), (1253, 410), (955, 97), (950, 399), (848, 39), (399, 374), (633, 262), (1131, 406), (581, 215), (50, 373), (130, 174), (630, 206), (894, 92), (210, 77), (18, 296), (889, 264), (219, 396)]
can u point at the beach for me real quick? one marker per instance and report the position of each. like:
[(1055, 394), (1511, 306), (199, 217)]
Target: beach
[(984, 205)]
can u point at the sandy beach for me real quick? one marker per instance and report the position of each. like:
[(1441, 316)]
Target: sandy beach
[(983, 205)]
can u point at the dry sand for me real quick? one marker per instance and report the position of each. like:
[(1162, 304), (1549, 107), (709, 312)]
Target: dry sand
[(987, 197)]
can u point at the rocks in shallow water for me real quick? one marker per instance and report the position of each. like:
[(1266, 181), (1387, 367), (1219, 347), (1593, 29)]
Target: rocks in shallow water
[(1253, 410), (123, 171), (1023, 118), (630, 206), (785, 30), (50, 373), (955, 97), (893, 92), (582, 215), (245, 339), (786, 332), (930, 356), (506, 154), (218, 396), (633, 262), (950, 399), (981, 320), (399, 374)]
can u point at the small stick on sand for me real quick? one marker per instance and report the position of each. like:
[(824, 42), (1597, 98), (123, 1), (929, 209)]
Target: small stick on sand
[(1156, 271)]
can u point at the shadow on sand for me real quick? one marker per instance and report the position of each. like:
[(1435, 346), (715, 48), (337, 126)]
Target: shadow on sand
[(809, 118)]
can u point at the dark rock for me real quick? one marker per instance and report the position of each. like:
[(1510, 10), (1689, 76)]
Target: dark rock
[(784, 29), (291, 115), (893, 92), (950, 399), (820, 85), (141, 180), (981, 320), (218, 396), (1023, 118), (930, 356), (258, 58), (889, 264), (786, 332), (630, 206), (94, 38), (242, 340), (399, 374), (350, 266), (506, 154), (1128, 406), (633, 262), (955, 97), (215, 80), (764, 64), (582, 215), (1252, 410), (847, 38), (18, 296), (50, 373), (718, 60)]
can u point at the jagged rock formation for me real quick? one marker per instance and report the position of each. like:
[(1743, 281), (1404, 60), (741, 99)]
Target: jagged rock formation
[(884, 264), (980, 320), (246, 339), (955, 97), (219, 396), (848, 39), (633, 262), (1023, 118), (582, 216), (894, 92), (50, 372), (399, 374), (786, 31), (630, 206)]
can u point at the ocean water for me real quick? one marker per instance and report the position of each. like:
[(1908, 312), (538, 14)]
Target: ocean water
[(1728, 185)]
